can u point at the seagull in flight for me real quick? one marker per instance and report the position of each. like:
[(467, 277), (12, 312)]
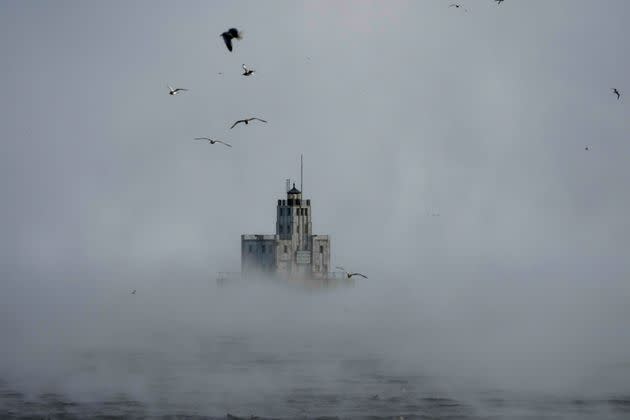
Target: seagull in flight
[(246, 71), (246, 121), (172, 91), (587, 148), (229, 35), (616, 92), (134, 292), (350, 275), (457, 6), (213, 141), (499, 1)]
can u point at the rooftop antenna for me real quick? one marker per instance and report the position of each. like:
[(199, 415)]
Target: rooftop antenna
[(288, 184), (301, 172)]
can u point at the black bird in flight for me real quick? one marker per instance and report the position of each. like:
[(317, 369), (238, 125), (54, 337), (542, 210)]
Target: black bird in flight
[(229, 35), (350, 275), (456, 5), (211, 141), (172, 91), (587, 148), (499, 1), (616, 92), (246, 121), (246, 71), (134, 292)]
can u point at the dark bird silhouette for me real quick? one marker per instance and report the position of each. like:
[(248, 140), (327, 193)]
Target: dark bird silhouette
[(350, 275), (616, 92), (458, 6), (229, 35), (211, 141), (172, 91), (499, 1), (246, 121), (374, 397), (134, 292), (587, 148), (246, 71)]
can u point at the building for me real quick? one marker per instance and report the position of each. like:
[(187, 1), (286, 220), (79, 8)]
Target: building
[(294, 251)]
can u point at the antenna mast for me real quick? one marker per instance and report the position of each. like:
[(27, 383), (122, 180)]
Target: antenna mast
[(301, 172)]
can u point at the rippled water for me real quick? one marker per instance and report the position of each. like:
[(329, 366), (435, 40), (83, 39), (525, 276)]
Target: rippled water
[(195, 352), (234, 375)]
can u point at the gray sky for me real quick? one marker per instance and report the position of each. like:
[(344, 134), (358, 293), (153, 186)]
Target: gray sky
[(401, 109)]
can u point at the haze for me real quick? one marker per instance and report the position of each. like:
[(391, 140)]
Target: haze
[(444, 152)]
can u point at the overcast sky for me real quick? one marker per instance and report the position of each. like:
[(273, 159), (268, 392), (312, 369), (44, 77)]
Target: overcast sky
[(401, 109)]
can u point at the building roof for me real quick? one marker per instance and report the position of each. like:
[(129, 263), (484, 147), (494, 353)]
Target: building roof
[(294, 190)]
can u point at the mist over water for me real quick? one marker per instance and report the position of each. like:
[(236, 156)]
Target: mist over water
[(444, 154), (184, 346)]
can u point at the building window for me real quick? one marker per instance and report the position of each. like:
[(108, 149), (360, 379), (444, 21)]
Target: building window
[(286, 249), (250, 249), (298, 228), (305, 212), (321, 249), (280, 229), (263, 249)]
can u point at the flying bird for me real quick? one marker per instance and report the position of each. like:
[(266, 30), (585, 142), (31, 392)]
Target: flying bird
[(134, 292), (246, 121), (172, 91), (350, 275), (246, 71), (499, 1), (587, 148), (457, 6), (616, 92), (229, 35), (213, 141)]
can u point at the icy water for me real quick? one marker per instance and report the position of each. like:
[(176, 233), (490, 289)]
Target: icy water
[(180, 354)]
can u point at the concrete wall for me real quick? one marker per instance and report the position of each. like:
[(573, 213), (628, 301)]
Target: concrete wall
[(258, 253), (320, 257)]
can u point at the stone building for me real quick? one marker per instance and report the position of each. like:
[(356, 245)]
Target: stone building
[(294, 251)]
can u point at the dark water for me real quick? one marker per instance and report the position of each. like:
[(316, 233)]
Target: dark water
[(235, 375), (96, 351)]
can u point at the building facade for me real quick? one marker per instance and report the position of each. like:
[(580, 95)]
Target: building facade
[(294, 251)]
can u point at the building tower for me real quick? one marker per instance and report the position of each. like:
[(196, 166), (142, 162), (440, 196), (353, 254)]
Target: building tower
[(293, 251)]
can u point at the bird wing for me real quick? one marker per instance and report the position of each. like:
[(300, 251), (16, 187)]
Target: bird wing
[(222, 142), (203, 138), (254, 118), (170, 88), (237, 122), (228, 41), (340, 268), (180, 89), (358, 274), (244, 67)]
